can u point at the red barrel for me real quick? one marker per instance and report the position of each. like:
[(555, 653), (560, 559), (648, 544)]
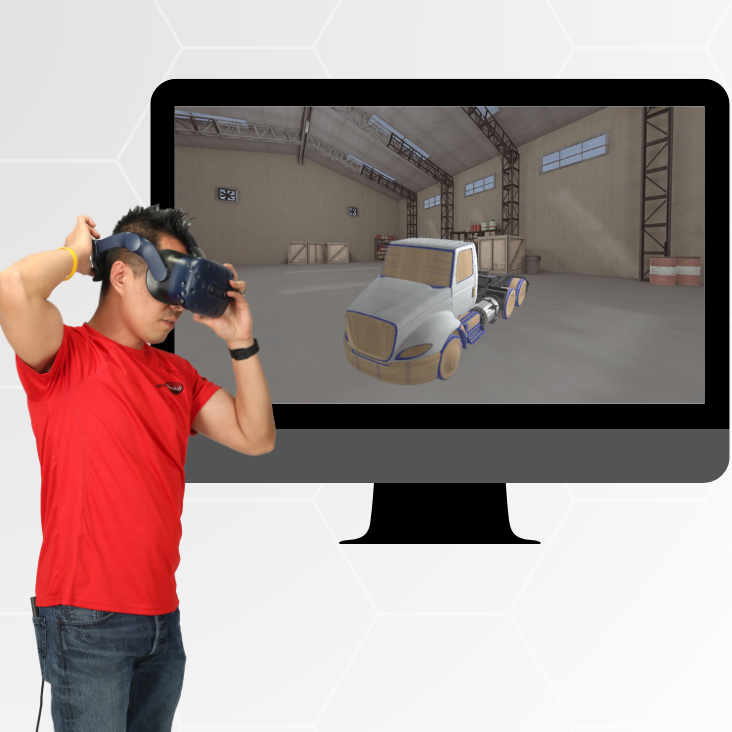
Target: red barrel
[(663, 270), (688, 270)]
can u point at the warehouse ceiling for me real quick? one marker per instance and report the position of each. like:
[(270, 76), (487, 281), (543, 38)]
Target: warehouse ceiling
[(450, 138)]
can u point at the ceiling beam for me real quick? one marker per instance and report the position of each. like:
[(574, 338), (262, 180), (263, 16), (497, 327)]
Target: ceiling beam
[(304, 127), (401, 147), (268, 133), (209, 127)]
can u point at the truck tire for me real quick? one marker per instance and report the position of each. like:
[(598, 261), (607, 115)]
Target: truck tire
[(508, 303), (519, 284), (449, 357)]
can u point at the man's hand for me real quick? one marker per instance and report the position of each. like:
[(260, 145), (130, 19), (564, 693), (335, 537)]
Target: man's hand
[(235, 325), (80, 240)]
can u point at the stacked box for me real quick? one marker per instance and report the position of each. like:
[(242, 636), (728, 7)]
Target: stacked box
[(336, 253), (297, 252)]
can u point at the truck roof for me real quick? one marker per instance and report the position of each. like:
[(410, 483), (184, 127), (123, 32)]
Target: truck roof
[(421, 241)]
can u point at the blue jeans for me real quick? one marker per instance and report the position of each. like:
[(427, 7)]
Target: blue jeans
[(110, 672)]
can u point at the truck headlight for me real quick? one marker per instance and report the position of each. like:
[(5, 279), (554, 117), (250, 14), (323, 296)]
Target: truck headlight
[(413, 352)]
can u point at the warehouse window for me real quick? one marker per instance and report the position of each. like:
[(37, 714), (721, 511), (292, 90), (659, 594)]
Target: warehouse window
[(478, 186), (430, 202), (592, 148), (489, 111)]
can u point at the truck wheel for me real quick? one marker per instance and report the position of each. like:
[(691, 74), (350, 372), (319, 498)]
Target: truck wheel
[(520, 292), (508, 303), (518, 284), (449, 357)]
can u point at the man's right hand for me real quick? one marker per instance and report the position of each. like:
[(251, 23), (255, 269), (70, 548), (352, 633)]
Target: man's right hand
[(80, 240)]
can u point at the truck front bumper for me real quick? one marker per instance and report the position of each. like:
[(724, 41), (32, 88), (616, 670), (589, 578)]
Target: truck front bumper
[(417, 371)]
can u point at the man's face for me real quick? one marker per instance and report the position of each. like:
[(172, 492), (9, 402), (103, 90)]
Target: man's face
[(145, 316)]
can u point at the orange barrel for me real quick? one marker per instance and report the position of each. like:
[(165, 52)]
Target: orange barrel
[(663, 270), (688, 270), (518, 284)]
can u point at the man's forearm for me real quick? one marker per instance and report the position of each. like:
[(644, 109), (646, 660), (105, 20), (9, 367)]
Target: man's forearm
[(253, 402), (40, 274)]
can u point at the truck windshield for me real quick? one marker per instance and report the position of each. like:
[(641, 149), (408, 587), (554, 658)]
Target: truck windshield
[(419, 264)]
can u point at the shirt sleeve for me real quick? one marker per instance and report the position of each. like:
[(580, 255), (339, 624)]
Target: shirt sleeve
[(202, 390), (74, 362)]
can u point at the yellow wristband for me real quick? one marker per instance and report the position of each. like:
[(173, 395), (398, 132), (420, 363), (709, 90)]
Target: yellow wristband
[(76, 262)]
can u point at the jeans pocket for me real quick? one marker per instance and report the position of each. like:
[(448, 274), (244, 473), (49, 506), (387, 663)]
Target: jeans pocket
[(39, 625), (72, 615)]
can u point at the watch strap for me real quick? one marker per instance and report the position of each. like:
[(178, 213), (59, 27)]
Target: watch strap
[(239, 354)]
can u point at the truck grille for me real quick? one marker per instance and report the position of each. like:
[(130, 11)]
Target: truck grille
[(370, 336)]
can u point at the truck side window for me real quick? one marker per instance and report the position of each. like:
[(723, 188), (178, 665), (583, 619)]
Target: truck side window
[(464, 265)]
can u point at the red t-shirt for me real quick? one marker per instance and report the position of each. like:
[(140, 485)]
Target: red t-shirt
[(111, 425)]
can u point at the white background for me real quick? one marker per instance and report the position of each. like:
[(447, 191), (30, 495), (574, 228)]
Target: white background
[(619, 619)]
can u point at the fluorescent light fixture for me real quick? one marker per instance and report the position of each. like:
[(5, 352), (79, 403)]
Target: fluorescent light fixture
[(353, 157), (187, 115), (398, 134)]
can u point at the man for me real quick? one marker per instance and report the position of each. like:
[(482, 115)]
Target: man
[(112, 416)]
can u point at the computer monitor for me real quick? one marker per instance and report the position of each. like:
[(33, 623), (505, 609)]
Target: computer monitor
[(229, 165)]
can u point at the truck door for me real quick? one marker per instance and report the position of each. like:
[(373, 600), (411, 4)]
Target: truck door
[(463, 282)]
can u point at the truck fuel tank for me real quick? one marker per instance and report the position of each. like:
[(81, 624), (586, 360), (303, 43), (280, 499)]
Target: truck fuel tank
[(488, 309)]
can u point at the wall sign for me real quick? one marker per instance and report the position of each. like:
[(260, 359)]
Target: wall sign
[(227, 194), (352, 211)]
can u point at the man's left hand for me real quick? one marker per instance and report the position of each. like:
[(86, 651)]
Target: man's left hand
[(235, 325)]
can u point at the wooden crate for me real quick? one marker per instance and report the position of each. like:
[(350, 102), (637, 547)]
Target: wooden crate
[(336, 253), (501, 254), (315, 252), (297, 252)]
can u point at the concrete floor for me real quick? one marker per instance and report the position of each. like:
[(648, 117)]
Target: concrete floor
[(576, 339)]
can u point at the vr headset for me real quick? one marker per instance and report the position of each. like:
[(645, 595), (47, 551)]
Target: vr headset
[(198, 284)]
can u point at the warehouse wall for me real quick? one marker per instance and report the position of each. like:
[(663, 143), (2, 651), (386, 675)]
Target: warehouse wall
[(585, 218), (279, 202)]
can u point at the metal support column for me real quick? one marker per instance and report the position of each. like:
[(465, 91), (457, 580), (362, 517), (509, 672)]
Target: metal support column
[(510, 212), (666, 139), (446, 210), (411, 200), (509, 167)]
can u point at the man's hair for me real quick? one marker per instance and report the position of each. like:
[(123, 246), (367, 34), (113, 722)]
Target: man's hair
[(150, 223)]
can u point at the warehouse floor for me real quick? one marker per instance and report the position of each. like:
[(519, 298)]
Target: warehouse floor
[(576, 339)]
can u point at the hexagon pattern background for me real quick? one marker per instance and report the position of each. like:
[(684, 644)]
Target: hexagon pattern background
[(618, 620)]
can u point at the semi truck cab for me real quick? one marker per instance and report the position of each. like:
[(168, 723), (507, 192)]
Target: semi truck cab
[(410, 324)]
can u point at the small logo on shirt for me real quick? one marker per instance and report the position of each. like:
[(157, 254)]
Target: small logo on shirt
[(174, 386)]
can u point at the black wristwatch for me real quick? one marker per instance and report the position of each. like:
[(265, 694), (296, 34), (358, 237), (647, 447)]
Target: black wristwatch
[(241, 353)]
